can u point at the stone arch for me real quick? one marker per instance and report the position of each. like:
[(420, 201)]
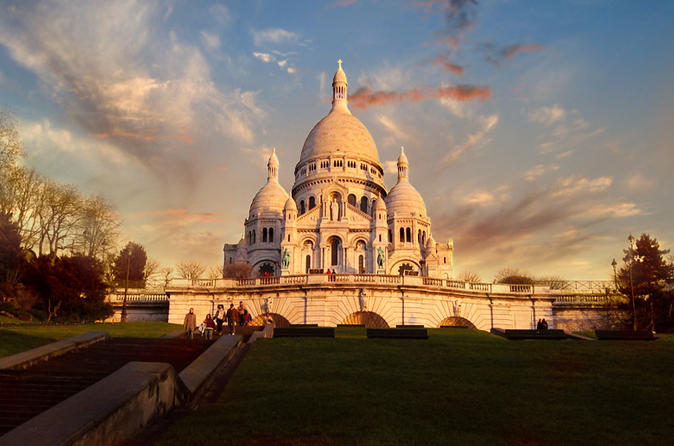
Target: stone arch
[(335, 245), (369, 318), (394, 268), (456, 321), (352, 200), (261, 266), (279, 321)]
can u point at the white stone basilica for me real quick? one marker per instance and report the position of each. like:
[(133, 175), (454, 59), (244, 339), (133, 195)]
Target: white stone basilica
[(340, 216)]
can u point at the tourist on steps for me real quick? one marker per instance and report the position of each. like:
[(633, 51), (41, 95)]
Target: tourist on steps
[(190, 324), (232, 318), (242, 313), (220, 317)]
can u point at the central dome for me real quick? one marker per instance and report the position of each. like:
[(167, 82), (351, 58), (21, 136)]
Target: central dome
[(341, 132)]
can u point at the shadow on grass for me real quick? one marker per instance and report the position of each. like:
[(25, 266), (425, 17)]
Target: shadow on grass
[(12, 342)]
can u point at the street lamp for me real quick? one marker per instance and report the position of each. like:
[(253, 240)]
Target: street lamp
[(615, 277), (631, 256)]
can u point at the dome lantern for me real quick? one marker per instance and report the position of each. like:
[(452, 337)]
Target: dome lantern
[(403, 165), (272, 166), (339, 88)]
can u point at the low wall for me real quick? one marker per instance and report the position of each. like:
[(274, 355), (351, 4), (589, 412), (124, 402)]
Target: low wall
[(107, 412), (586, 318), (28, 358)]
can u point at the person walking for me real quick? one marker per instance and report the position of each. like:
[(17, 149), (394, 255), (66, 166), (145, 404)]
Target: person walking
[(242, 313), (220, 317), (232, 318), (209, 327), (190, 324)]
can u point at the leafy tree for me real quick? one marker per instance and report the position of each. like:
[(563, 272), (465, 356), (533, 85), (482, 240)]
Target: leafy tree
[(70, 288), (11, 258), (644, 277), (132, 258)]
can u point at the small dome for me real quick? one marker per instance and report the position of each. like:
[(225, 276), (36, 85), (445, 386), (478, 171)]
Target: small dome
[(269, 199), (403, 200), (430, 243), (290, 205), (379, 205)]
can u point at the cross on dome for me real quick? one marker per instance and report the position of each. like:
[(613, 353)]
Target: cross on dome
[(340, 63)]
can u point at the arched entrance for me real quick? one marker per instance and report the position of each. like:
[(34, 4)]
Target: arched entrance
[(335, 258), (367, 318), (279, 321), (456, 321)]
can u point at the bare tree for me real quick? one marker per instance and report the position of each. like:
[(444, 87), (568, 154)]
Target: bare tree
[(167, 275), (215, 272), (58, 214), (554, 282), (11, 146), (513, 275), (189, 269), (151, 268), (470, 276), (97, 229)]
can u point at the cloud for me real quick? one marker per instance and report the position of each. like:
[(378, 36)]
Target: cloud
[(637, 182), (291, 70), (538, 171), (572, 185), (474, 141), (118, 74), (391, 167), (220, 13), (496, 54), (210, 40), (482, 197), (343, 3), (392, 127), (548, 115), (366, 97), (184, 216), (460, 15), (274, 36), (447, 65), (264, 57)]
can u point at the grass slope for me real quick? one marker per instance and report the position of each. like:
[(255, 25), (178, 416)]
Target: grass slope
[(18, 338), (459, 387)]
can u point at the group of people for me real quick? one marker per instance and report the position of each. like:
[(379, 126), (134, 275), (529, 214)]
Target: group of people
[(542, 326), (214, 324)]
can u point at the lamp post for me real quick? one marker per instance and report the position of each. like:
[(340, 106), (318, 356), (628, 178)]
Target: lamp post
[(631, 259), (126, 284), (615, 276)]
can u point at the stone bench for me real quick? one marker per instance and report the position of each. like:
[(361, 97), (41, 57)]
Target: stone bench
[(397, 333), (518, 334), (625, 335), (304, 332)]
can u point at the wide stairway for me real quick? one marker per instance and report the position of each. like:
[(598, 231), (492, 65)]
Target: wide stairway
[(26, 393)]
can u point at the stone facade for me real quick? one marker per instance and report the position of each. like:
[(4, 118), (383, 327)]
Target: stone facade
[(340, 216)]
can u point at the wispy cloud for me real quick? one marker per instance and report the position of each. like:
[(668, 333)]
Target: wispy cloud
[(264, 57), (366, 97), (474, 141), (273, 36), (497, 54), (210, 40), (444, 62), (548, 115)]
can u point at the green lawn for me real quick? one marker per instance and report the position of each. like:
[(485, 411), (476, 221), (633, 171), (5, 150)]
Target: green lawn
[(458, 387), (18, 338)]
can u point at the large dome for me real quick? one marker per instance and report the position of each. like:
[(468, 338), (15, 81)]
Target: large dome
[(339, 131)]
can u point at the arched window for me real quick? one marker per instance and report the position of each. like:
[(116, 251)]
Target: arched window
[(423, 238), (419, 237), (363, 204), (307, 264), (352, 200), (335, 247), (264, 235), (266, 269), (271, 234), (402, 235), (361, 264), (253, 235), (302, 209), (444, 260), (408, 231), (312, 202)]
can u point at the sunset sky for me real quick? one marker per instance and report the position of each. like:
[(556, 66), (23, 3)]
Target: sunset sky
[(540, 134)]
